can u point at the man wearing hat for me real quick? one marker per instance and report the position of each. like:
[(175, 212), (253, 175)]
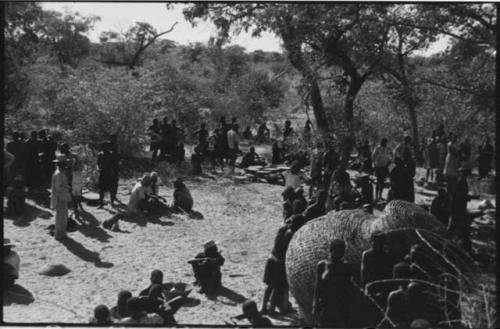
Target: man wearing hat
[(60, 197), (206, 268), (10, 268)]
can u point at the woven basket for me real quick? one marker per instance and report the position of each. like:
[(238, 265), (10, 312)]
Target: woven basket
[(310, 244)]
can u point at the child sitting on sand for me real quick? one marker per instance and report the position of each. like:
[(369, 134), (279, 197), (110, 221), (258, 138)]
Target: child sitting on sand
[(250, 312), (101, 315)]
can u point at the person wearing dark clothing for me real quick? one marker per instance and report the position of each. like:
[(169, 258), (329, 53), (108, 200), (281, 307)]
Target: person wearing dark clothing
[(206, 268), (262, 133), (113, 145), (464, 156), (400, 179), (381, 158), (441, 207), (108, 166), (275, 271), (183, 201), (318, 208), (155, 303), (398, 307), (119, 311), (165, 144), (439, 132), (17, 147), (316, 168), (288, 197), (33, 166), (48, 148), (196, 161), (251, 313), (154, 132), (340, 188), (299, 196), (307, 135), (277, 151), (363, 183), (247, 133), (252, 159), (202, 134), (156, 277), (376, 264), (224, 145), (366, 156), (101, 316), (219, 147), (486, 154), (459, 218), (288, 131), (423, 304), (431, 159), (409, 163), (332, 289), (16, 197)]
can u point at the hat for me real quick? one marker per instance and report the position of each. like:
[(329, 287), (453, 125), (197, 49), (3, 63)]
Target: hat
[(7, 243), (209, 244)]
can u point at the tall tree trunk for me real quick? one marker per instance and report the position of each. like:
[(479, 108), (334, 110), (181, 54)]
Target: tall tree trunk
[(349, 141), (414, 129)]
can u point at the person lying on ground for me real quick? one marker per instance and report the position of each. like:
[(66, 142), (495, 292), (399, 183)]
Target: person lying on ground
[(101, 315), (138, 314), (250, 312), (119, 311), (251, 158), (183, 201), (206, 267)]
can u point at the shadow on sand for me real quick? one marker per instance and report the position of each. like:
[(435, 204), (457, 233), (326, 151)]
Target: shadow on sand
[(80, 251), (17, 295), (30, 214), (229, 294)]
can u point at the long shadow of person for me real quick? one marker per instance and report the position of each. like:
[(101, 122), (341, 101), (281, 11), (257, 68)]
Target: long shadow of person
[(29, 214), (91, 227), (17, 295), (80, 251), (40, 197), (229, 294)]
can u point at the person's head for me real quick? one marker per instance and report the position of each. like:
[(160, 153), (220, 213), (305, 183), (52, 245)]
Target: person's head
[(59, 163), (378, 241), (233, 120), (401, 271), (295, 167), (288, 123), (178, 183), (252, 149), (337, 249), (165, 120), (249, 308), (134, 306), (64, 148), (203, 125), (34, 135), (236, 127), (156, 277), (17, 182), (462, 171), (210, 247), (415, 290), (16, 136), (322, 196), (101, 314), (383, 142), (344, 205), (222, 119), (398, 162), (123, 296), (297, 221), (156, 122), (146, 180), (420, 324), (174, 123), (42, 133)]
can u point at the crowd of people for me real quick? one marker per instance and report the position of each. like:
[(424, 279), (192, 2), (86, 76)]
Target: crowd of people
[(35, 163)]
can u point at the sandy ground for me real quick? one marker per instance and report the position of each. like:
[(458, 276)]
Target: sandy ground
[(243, 218)]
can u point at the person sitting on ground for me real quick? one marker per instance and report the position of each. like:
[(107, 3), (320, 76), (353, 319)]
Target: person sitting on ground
[(153, 192), (119, 311), (293, 177), (138, 201), (10, 267), (318, 208), (376, 264), (441, 207), (299, 195), (155, 303), (298, 208), (252, 314), (251, 158), (288, 196), (398, 307), (101, 316), (155, 278), (138, 314), (16, 197), (183, 201), (206, 268), (332, 289), (340, 186)]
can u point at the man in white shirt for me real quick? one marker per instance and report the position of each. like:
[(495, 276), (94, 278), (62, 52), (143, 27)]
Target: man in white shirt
[(139, 196), (233, 140), (381, 158)]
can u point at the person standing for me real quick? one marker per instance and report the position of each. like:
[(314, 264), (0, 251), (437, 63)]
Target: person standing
[(154, 132), (17, 147), (486, 154), (459, 219), (432, 160), (409, 163), (107, 166), (316, 172), (33, 165), (60, 196), (441, 149), (202, 134), (465, 155), (165, 134), (330, 162), (48, 148), (451, 166), (73, 171), (381, 158), (233, 140), (113, 146), (399, 181)]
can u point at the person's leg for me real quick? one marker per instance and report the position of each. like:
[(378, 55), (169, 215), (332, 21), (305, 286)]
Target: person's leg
[(267, 294), (61, 220), (101, 198)]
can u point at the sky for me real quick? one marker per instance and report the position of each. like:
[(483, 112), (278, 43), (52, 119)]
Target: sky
[(120, 16)]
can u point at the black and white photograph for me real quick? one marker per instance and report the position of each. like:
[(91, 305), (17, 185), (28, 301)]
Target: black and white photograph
[(250, 164)]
